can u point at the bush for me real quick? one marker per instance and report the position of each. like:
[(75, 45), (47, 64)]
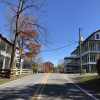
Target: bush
[(98, 66)]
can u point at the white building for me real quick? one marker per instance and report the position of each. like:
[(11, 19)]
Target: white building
[(5, 55), (90, 49)]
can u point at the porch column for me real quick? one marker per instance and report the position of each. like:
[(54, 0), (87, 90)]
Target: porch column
[(89, 56), (3, 67)]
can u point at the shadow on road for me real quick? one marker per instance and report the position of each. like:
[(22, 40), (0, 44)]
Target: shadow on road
[(93, 86), (61, 91)]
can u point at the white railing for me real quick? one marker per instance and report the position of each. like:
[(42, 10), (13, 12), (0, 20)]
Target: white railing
[(23, 71), (5, 54)]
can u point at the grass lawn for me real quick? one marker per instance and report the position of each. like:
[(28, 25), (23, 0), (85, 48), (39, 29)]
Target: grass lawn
[(91, 83), (88, 78), (2, 81), (5, 80)]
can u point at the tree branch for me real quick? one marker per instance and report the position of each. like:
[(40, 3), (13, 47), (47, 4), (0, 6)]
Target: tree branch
[(27, 7)]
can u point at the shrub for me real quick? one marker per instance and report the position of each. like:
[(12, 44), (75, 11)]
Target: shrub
[(98, 66)]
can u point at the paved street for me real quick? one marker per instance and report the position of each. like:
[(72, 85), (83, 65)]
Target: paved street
[(42, 87)]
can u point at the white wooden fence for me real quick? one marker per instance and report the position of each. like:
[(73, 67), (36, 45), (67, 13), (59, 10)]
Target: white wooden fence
[(23, 71)]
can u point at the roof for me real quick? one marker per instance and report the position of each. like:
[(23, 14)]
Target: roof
[(87, 39), (5, 39), (90, 36), (47, 62), (71, 57)]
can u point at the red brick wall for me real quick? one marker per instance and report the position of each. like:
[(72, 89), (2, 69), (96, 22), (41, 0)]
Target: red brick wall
[(47, 67)]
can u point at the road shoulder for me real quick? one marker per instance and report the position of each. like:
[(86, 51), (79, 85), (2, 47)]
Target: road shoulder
[(75, 79)]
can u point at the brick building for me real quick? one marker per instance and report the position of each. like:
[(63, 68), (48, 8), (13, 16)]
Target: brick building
[(47, 67)]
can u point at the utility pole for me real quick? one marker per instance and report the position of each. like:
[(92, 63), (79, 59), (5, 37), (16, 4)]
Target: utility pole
[(80, 51)]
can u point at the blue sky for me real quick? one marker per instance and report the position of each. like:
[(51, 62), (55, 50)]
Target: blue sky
[(62, 18)]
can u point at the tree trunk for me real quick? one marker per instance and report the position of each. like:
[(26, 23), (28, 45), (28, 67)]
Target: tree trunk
[(12, 65)]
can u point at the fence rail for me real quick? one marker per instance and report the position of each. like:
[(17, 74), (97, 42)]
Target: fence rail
[(6, 72)]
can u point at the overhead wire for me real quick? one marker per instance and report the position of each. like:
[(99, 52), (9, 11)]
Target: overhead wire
[(58, 48)]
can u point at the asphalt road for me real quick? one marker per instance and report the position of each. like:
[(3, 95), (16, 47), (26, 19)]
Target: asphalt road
[(42, 87)]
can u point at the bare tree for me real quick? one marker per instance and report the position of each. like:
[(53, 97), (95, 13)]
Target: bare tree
[(22, 8)]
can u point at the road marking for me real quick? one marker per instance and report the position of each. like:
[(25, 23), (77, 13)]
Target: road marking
[(41, 88), (87, 93), (83, 90)]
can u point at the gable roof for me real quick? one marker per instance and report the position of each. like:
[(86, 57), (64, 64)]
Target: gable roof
[(5, 39), (91, 35), (87, 39)]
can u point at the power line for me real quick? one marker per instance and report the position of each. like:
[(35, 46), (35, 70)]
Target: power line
[(56, 49)]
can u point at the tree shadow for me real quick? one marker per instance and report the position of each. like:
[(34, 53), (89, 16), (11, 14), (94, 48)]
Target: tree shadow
[(67, 91), (16, 93), (93, 86), (48, 91)]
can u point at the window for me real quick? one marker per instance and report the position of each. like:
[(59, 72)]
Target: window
[(97, 36), (2, 45), (92, 46), (9, 48), (1, 61), (7, 62), (92, 57), (98, 46)]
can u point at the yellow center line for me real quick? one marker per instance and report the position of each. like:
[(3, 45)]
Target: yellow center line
[(40, 89)]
